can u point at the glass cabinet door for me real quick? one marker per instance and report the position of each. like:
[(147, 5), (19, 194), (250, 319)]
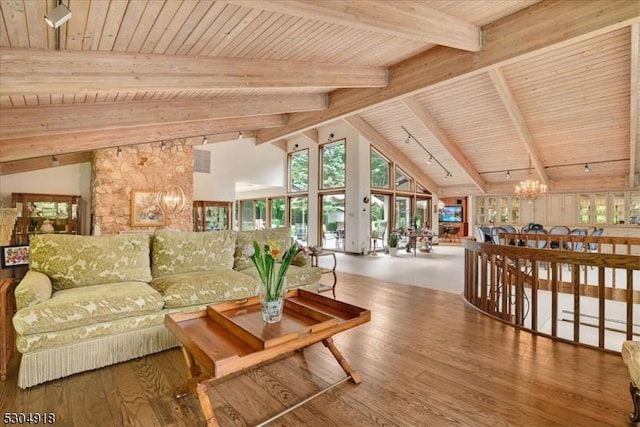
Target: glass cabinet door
[(515, 210), (618, 210), (492, 210), (600, 207), (45, 213), (504, 210), (481, 210), (584, 210), (210, 216), (634, 208)]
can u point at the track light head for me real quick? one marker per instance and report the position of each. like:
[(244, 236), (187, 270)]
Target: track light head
[(58, 16), (587, 169), (205, 141), (239, 134), (163, 146), (54, 161), (508, 175), (119, 152), (430, 159)]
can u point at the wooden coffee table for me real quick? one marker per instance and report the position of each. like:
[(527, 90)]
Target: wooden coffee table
[(231, 336)]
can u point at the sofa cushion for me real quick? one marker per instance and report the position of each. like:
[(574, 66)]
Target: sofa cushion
[(73, 261), (88, 305), (631, 358), (204, 287), (281, 235), (296, 276), (184, 252)]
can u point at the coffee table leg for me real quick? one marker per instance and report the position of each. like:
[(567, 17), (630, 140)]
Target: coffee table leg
[(199, 390), (355, 376)]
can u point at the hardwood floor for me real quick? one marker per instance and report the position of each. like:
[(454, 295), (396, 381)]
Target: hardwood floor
[(426, 359)]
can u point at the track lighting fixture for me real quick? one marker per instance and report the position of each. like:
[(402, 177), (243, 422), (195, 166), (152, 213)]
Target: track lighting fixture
[(119, 152), (205, 141), (430, 158), (55, 162), (587, 169), (58, 16), (163, 146), (508, 175), (239, 134)]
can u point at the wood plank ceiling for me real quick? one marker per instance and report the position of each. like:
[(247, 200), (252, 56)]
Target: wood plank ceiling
[(485, 86)]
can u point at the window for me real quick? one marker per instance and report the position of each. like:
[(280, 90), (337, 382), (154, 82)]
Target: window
[(333, 165), (254, 214), (403, 212), (403, 182), (299, 171), (380, 168), (299, 218), (277, 212), (332, 206)]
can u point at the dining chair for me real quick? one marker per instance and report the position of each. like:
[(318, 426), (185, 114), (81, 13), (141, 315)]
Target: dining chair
[(576, 246), (559, 230)]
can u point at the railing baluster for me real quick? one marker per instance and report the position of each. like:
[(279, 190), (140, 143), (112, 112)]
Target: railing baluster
[(575, 286), (601, 300)]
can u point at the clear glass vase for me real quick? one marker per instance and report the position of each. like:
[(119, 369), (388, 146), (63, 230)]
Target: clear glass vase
[(272, 306)]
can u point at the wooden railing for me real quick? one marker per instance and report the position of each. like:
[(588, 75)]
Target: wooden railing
[(585, 297)]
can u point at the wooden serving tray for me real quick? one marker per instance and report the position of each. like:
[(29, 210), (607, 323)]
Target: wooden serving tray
[(231, 336), (246, 323)]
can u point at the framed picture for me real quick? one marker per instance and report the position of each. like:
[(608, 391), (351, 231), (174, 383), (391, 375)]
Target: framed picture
[(14, 256), (145, 209)]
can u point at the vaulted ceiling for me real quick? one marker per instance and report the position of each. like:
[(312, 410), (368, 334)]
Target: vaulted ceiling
[(485, 86)]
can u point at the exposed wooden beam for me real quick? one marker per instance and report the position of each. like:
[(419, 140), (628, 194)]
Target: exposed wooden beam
[(441, 138), (510, 104), (407, 19), (28, 165), (634, 143), (24, 148), (390, 151), (516, 36), (35, 71), (312, 135), (57, 119)]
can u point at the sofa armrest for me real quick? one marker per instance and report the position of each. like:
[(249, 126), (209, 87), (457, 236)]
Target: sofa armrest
[(34, 288)]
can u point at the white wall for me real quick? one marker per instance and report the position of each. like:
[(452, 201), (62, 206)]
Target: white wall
[(240, 161)]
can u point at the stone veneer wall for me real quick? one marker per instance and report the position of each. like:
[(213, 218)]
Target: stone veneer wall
[(143, 167)]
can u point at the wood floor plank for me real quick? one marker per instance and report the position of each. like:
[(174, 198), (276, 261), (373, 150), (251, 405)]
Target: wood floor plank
[(426, 359)]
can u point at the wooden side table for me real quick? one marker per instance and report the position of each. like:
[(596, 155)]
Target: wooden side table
[(326, 269), (7, 333)]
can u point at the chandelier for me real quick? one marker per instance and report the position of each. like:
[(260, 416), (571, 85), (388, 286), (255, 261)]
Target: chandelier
[(530, 189), (171, 198)]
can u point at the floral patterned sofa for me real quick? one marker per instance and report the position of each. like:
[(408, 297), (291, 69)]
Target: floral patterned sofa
[(88, 301)]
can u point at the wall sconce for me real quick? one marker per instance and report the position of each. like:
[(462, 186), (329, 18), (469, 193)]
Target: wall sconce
[(55, 162), (58, 16)]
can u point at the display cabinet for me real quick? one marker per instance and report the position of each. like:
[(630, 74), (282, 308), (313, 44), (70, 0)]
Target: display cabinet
[(211, 215), (45, 213)]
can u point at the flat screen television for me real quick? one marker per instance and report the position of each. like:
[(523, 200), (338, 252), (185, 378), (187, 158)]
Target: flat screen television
[(450, 214)]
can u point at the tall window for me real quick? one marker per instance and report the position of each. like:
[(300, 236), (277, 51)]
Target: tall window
[(299, 171), (277, 212), (299, 218), (380, 168), (403, 212), (333, 165), (254, 214), (333, 206)]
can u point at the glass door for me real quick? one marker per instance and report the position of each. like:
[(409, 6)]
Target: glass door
[(380, 210), (618, 210), (333, 230), (299, 218)]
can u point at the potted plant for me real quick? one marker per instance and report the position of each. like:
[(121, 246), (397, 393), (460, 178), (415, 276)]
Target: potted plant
[(392, 243)]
